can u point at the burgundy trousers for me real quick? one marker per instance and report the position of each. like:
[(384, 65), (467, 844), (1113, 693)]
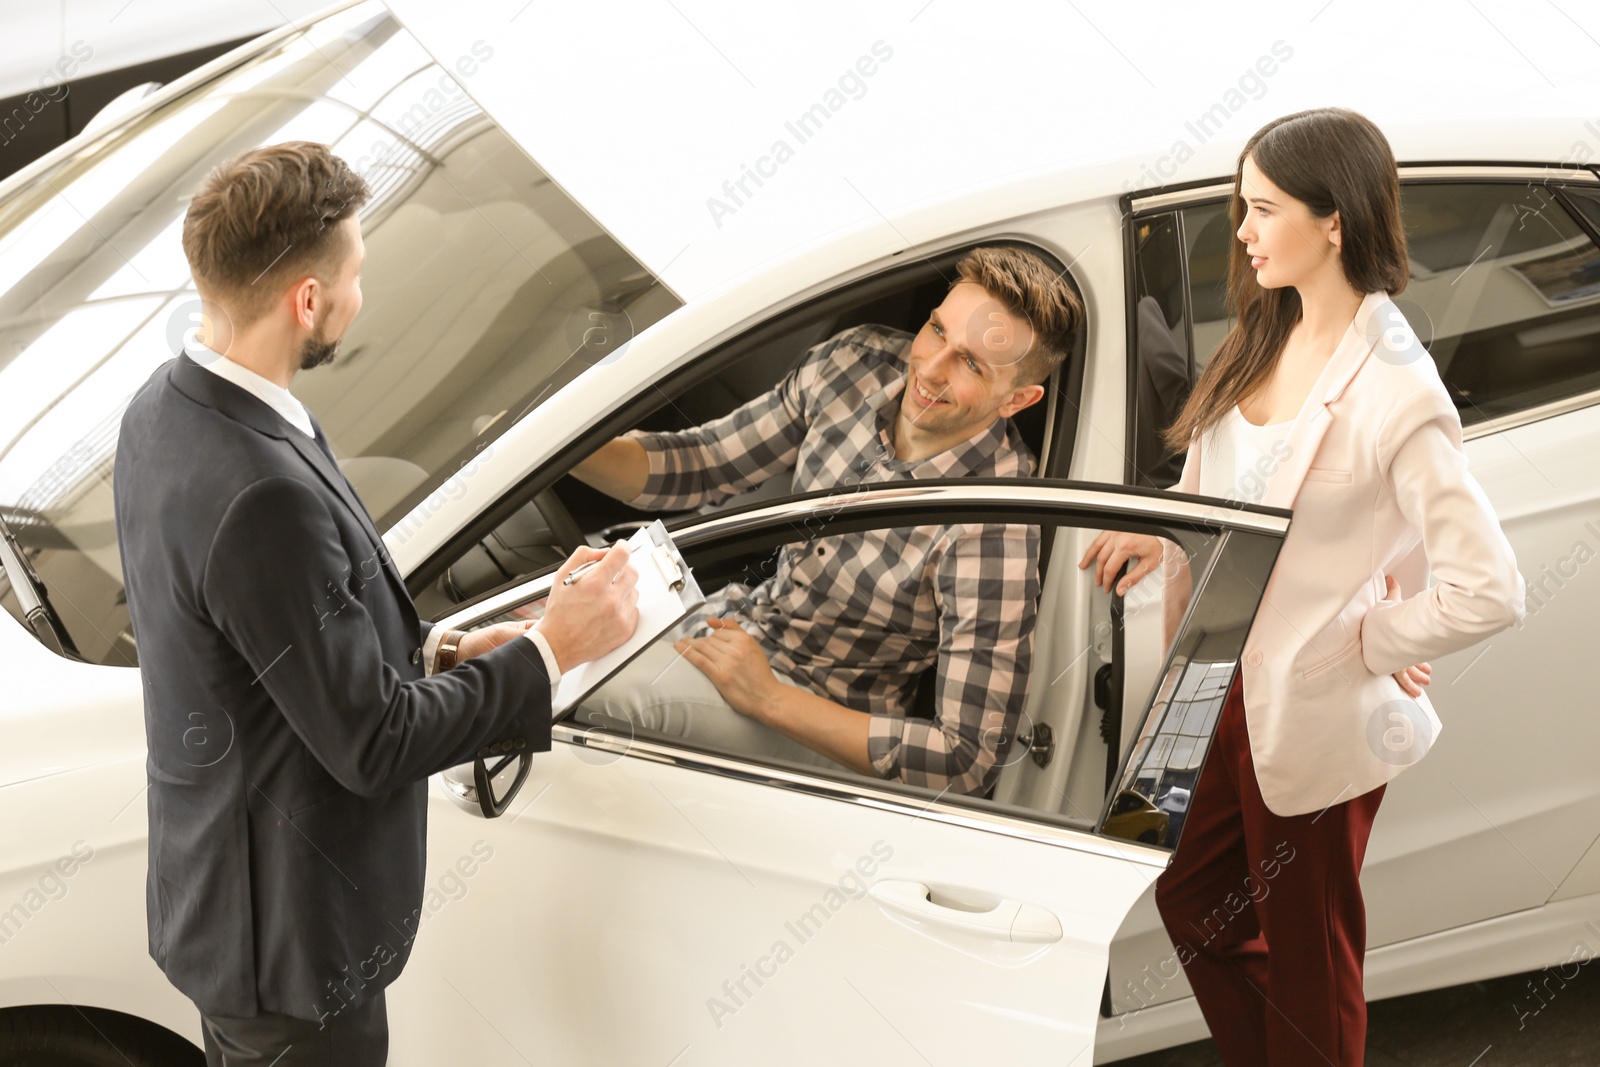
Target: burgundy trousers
[(1266, 915)]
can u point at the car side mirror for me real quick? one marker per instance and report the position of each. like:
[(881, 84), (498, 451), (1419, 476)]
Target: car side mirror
[(493, 805), (484, 793)]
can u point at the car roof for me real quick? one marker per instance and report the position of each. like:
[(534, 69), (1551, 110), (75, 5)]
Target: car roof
[(665, 122)]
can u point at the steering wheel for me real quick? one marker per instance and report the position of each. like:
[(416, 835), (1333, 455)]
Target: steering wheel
[(564, 530)]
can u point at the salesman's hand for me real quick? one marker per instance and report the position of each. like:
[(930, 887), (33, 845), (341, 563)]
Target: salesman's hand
[(594, 614), (477, 642), (1412, 679)]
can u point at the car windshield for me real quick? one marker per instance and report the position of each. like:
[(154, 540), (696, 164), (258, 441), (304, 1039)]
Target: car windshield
[(486, 288)]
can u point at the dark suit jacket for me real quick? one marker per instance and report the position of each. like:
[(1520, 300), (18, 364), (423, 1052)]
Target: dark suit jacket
[(290, 728)]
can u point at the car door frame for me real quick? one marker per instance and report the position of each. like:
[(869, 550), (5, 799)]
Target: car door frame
[(1064, 394)]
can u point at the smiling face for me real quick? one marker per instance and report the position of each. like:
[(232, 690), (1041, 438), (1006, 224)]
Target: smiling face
[(962, 373), (1286, 242)]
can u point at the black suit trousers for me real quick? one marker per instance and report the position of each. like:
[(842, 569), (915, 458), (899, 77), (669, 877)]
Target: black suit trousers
[(358, 1036)]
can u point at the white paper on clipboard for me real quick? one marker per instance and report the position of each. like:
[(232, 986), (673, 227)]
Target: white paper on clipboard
[(667, 593)]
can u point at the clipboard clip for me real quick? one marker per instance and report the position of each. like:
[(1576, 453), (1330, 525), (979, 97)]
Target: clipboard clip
[(666, 557), (669, 568)]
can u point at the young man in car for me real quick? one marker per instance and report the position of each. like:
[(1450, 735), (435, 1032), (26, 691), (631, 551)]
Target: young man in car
[(847, 621)]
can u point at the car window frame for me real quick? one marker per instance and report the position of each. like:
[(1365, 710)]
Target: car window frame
[(1101, 505), (1064, 393)]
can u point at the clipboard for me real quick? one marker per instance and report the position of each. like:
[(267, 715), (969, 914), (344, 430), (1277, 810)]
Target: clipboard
[(667, 594)]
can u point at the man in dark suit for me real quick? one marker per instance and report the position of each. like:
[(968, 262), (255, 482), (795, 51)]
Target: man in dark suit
[(291, 720)]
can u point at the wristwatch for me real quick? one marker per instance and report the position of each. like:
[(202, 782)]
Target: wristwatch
[(449, 651)]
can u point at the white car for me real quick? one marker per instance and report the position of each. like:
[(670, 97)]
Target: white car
[(643, 901)]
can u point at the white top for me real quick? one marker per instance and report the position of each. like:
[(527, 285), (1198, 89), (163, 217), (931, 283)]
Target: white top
[(294, 413), (272, 394), (1241, 458)]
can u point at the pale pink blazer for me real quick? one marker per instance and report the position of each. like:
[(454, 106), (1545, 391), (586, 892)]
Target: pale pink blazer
[(1378, 482)]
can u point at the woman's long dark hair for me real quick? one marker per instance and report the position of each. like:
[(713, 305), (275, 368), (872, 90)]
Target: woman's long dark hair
[(1331, 160)]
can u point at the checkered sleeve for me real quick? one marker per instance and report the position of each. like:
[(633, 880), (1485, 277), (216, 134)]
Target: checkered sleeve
[(987, 596), (724, 457)]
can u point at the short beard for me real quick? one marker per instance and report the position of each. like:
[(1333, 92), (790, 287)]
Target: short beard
[(316, 350)]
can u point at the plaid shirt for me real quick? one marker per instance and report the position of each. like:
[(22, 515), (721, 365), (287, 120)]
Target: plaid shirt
[(856, 617)]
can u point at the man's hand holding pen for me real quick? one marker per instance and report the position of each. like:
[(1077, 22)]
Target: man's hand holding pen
[(585, 620), (579, 571)]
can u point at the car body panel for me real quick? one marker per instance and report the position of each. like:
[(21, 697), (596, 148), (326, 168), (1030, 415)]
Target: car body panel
[(656, 885), (140, 35)]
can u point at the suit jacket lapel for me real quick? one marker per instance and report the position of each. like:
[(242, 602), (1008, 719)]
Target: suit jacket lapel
[(313, 453), (219, 393), (1307, 432)]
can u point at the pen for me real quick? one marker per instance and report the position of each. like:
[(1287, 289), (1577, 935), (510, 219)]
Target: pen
[(578, 572)]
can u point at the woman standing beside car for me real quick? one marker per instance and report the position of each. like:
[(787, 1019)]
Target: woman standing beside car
[(1322, 386)]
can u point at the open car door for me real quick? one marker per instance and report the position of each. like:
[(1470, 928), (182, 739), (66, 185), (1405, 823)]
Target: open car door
[(644, 901)]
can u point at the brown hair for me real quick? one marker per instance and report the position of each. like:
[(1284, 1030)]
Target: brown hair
[(1027, 288), (268, 217), (1330, 159)]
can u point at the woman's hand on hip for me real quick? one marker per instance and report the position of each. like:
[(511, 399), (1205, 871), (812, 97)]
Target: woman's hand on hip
[(1412, 679)]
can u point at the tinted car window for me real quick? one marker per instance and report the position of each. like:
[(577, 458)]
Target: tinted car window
[(1504, 292), (1162, 369), (485, 289), (1207, 235)]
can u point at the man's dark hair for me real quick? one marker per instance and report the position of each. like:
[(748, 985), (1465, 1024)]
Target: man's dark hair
[(266, 218)]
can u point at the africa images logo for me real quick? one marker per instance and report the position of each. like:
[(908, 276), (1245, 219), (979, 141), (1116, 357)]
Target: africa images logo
[(208, 738), (1399, 733)]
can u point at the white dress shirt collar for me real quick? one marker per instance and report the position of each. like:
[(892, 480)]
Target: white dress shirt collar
[(270, 393)]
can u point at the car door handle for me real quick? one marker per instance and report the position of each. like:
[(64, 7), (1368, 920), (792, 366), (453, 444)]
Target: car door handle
[(1009, 920)]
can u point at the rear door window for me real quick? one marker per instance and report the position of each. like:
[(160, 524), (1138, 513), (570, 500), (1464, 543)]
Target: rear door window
[(1504, 292)]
